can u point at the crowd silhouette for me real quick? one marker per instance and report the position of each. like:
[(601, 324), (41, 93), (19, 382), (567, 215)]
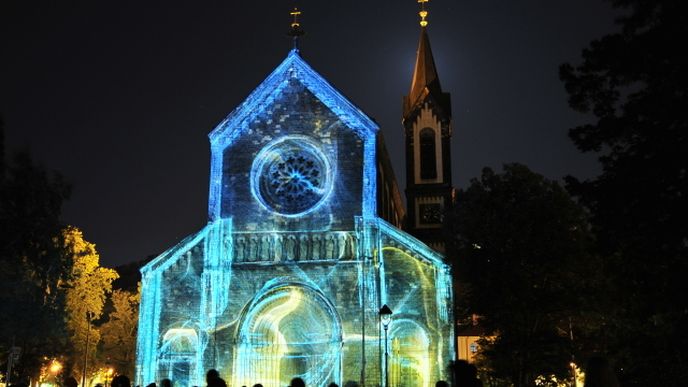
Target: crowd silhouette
[(213, 379)]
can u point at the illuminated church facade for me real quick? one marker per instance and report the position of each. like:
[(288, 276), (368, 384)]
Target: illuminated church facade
[(304, 245)]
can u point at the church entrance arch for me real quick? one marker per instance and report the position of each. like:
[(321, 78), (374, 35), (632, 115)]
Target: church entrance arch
[(288, 331), (178, 356), (410, 358)]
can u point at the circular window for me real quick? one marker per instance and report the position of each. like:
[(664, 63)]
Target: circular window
[(291, 176)]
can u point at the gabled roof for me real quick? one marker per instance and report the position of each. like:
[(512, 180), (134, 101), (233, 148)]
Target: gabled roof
[(425, 80), (412, 243), (292, 67)]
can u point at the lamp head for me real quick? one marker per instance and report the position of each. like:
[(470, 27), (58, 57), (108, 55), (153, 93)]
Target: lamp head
[(385, 315)]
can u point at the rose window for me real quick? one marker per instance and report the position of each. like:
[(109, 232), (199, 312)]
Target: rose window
[(291, 176)]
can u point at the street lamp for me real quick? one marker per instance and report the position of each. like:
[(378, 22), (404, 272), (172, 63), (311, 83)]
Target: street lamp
[(88, 332), (108, 376), (55, 367), (385, 319)]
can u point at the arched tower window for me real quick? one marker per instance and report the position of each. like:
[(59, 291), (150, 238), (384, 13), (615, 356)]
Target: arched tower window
[(428, 161)]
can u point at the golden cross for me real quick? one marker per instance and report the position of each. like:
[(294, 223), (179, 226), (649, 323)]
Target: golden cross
[(295, 13), (423, 13)]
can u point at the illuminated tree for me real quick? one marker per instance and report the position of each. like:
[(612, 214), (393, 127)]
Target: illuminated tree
[(119, 332), (87, 288)]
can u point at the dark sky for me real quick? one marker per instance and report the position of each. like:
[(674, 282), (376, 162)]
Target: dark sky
[(119, 96)]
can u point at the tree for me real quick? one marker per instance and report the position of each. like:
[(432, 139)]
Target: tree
[(87, 289), (119, 332), (31, 266), (519, 243), (636, 85)]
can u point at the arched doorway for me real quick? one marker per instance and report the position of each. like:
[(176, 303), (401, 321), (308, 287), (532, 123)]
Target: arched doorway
[(178, 356), (409, 358), (290, 330)]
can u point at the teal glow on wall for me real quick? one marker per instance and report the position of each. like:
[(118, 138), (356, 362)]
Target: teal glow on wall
[(288, 276)]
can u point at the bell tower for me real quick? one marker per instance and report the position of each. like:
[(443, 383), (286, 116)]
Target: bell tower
[(427, 131)]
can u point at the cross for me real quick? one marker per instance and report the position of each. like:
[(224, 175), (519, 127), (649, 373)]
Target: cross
[(295, 13), (296, 30), (423, 13)]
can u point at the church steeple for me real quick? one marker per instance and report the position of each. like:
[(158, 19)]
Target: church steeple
[(425, 79), (427, 130)]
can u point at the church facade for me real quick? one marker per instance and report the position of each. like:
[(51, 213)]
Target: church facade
[(302, 249)]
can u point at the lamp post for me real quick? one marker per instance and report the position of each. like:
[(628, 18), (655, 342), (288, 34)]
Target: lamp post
[(55, 368), (385, 319), (108, 376), (88, 332)]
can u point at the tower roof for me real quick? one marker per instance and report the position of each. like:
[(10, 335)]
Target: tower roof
[(425, 79)]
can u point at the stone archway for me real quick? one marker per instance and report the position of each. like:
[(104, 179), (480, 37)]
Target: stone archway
[(177, 357), (290, 330), (410, 364)]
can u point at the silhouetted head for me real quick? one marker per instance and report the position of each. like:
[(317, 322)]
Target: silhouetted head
[(297, 382), (257, 385), (71, 382), (441, 383), (333, 384), (166, 383), (211, 375), (120, 381)]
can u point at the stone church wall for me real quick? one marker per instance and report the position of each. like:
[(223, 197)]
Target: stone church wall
[(298, 112)]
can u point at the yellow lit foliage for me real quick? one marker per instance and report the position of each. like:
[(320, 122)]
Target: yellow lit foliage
[(119, 333), (87, 288)]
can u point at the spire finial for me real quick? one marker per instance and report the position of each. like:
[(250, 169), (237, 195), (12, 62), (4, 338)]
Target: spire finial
[(296, 29), (423, 13)]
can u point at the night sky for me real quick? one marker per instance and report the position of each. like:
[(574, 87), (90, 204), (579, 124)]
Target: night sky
[(120, 96)]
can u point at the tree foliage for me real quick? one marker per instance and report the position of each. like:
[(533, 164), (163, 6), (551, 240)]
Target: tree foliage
[(87, 288), (119, 332), (636, 84), (519, 246), (31, 266)]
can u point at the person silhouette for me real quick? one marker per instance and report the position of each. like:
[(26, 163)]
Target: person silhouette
[(120, 381), (212, 377), (297, 382)]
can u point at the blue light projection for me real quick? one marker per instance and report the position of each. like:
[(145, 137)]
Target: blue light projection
[(237, 123), (291, 176), (288, 276)]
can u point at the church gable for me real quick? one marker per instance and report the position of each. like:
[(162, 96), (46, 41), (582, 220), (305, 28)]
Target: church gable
[(295, 155)]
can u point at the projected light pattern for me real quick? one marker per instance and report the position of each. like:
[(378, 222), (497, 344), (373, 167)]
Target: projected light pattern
[(237, 124), (410, 357), (271, 320), (288, 276), (291, 176), (291, 331)]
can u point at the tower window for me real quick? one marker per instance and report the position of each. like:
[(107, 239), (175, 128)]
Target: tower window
[(428, 161)]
